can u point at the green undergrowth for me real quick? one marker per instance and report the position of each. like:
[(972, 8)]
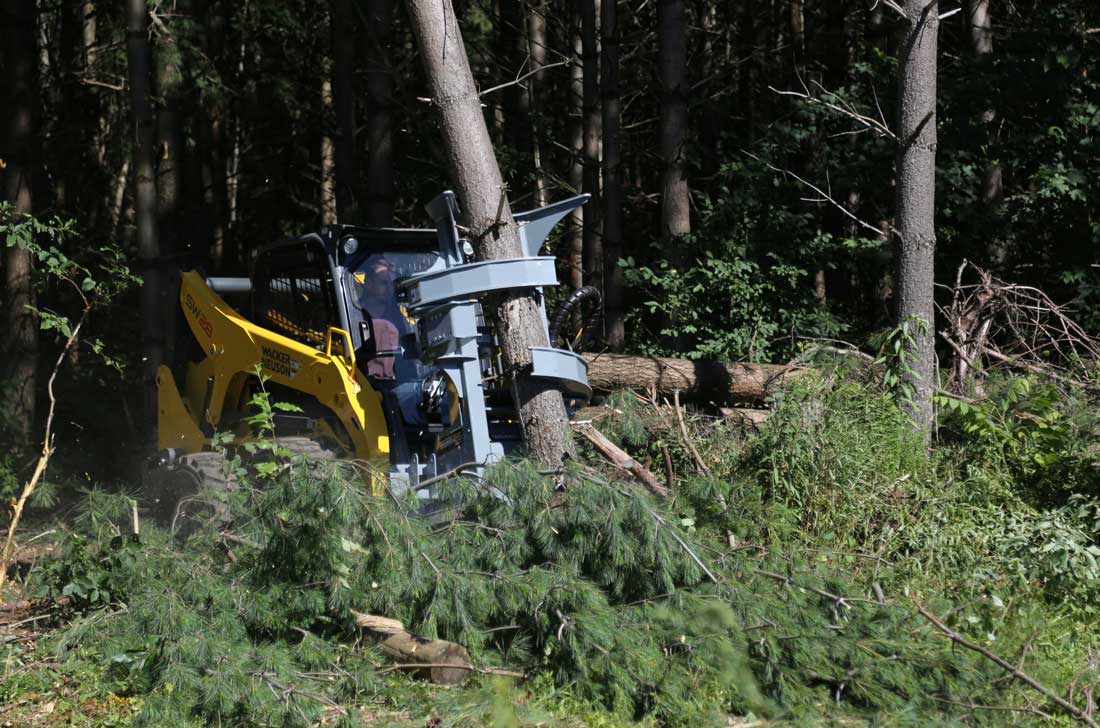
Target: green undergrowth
[(783, 585)]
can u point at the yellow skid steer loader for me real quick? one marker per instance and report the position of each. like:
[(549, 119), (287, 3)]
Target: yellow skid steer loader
[(377, 336)]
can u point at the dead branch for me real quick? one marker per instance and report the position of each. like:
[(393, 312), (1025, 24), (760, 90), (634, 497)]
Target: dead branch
[(993, 323), (620, 459), (472, 668), (841, 107), (520, 79), (824, 196), (699, 462), (47, 445)]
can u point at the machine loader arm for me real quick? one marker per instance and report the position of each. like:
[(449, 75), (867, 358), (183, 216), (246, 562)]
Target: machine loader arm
[(236, 349)]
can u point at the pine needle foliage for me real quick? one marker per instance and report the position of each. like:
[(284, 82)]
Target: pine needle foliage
[(680, 612)]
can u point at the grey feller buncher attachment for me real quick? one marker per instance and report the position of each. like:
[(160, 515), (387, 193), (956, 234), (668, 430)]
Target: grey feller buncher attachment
[(452, 335), (378, 338)]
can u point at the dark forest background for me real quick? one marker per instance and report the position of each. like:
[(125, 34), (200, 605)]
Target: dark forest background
[(705, 229)]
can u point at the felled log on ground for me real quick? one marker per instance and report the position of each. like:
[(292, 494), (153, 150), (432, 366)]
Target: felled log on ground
[(445, 663), (707, 381)]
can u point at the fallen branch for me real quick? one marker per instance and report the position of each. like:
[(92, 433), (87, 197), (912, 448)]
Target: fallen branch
[(446, 663), (1008, 666), (29, 605), (471, 668), (699, 462), (1033, 368), (620, 459)]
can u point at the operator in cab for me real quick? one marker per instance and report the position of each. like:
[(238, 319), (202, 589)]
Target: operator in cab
[(388, 321)]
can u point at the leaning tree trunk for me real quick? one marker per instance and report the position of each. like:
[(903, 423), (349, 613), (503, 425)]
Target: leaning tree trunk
[(492, 229), (20, 328), (145, 202), (615, 329), (379, 128), (916, 202)]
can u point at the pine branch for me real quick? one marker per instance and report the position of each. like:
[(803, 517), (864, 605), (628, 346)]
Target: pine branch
[(1012, 670)]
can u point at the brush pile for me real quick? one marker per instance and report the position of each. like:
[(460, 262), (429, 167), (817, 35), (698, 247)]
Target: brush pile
[(784, 582)]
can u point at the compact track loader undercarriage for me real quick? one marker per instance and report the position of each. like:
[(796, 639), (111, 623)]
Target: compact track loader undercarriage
[(376, 335)]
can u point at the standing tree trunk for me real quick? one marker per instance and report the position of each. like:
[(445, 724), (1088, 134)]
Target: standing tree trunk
[(171, 229), (20, 327), (380, 183), (145, 202), (223, 254), (797, 22), (916, 201), (344, 32), (675, 202), (576, 159), (536, 50), (328, 154), (487, 214), (615, 331), (593, 243), (981, 37), (675, 205)]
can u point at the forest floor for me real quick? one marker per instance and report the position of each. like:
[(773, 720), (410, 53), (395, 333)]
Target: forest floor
[(781, 583)]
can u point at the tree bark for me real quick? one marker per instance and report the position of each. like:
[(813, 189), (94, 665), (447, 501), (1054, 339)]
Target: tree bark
[(344, 32), (613, 285), (20, 327), (675, 202), (487, 214), (171, 226), (446, 663), (145, 202), (512, 52), (981, 38), (714, 381), (328, 156), (223, 254), (797, 23), (576, 159), (675, 205), (916, 201), (379, 128), (593, 242), (536, 50)]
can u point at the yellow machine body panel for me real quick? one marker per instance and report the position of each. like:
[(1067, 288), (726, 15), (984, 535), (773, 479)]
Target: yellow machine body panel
[(235, 347)]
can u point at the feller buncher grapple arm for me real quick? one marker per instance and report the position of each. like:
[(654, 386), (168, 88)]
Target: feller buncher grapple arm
[(377, 335)]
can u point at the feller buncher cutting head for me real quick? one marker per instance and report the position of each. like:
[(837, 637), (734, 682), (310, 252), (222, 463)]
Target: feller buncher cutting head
[(377, 336)]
